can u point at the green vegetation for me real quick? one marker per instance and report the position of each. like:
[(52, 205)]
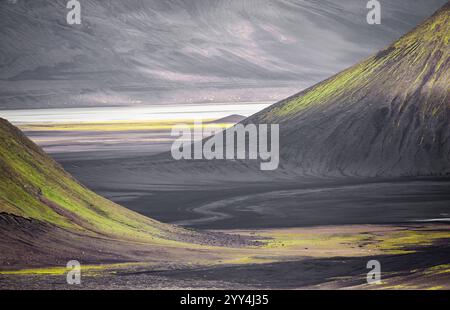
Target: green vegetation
[(439, 269), (408, 60), (331, 88), (403, 242), (312, 240), (34, 186), (86, 269)]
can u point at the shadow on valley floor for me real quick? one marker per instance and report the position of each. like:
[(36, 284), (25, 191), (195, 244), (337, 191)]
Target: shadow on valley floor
[(335, 272), (427, 268), (288, 203)]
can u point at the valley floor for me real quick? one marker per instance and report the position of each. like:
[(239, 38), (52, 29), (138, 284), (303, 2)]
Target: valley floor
[(307, 234), (411, 257)]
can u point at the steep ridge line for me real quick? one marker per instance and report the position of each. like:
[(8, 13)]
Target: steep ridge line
[(387, 116)]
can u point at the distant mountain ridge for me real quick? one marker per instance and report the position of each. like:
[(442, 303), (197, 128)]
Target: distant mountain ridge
[(138, 52)]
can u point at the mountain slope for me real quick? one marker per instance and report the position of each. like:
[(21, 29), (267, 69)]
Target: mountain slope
[(388, 115), (34, 186), (48, 218), (153, 51)]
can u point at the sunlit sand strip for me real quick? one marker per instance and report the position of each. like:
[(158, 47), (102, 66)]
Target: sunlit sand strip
[(112, 126)]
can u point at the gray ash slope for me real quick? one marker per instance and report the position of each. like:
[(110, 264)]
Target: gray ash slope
[(386, 116), (153, 51)]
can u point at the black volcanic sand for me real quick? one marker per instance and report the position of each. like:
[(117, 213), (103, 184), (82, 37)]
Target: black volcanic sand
[(262, 204), (251, 205), (338, 203)]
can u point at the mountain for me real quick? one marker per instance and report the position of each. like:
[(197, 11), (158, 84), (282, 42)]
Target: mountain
[(151, 51), (47, 217), (234, 118), (386, 116)]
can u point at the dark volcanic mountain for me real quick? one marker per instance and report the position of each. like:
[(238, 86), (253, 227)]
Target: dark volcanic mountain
[(153, 51), (388, 115)]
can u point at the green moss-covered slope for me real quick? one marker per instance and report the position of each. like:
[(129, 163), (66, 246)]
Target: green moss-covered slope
[(388, 115), (34, 186)]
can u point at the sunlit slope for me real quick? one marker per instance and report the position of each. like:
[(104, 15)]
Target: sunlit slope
[(389, 115), (34, 186)]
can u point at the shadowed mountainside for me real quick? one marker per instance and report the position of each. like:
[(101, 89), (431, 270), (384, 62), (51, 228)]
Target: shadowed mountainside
[(386, 116)]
